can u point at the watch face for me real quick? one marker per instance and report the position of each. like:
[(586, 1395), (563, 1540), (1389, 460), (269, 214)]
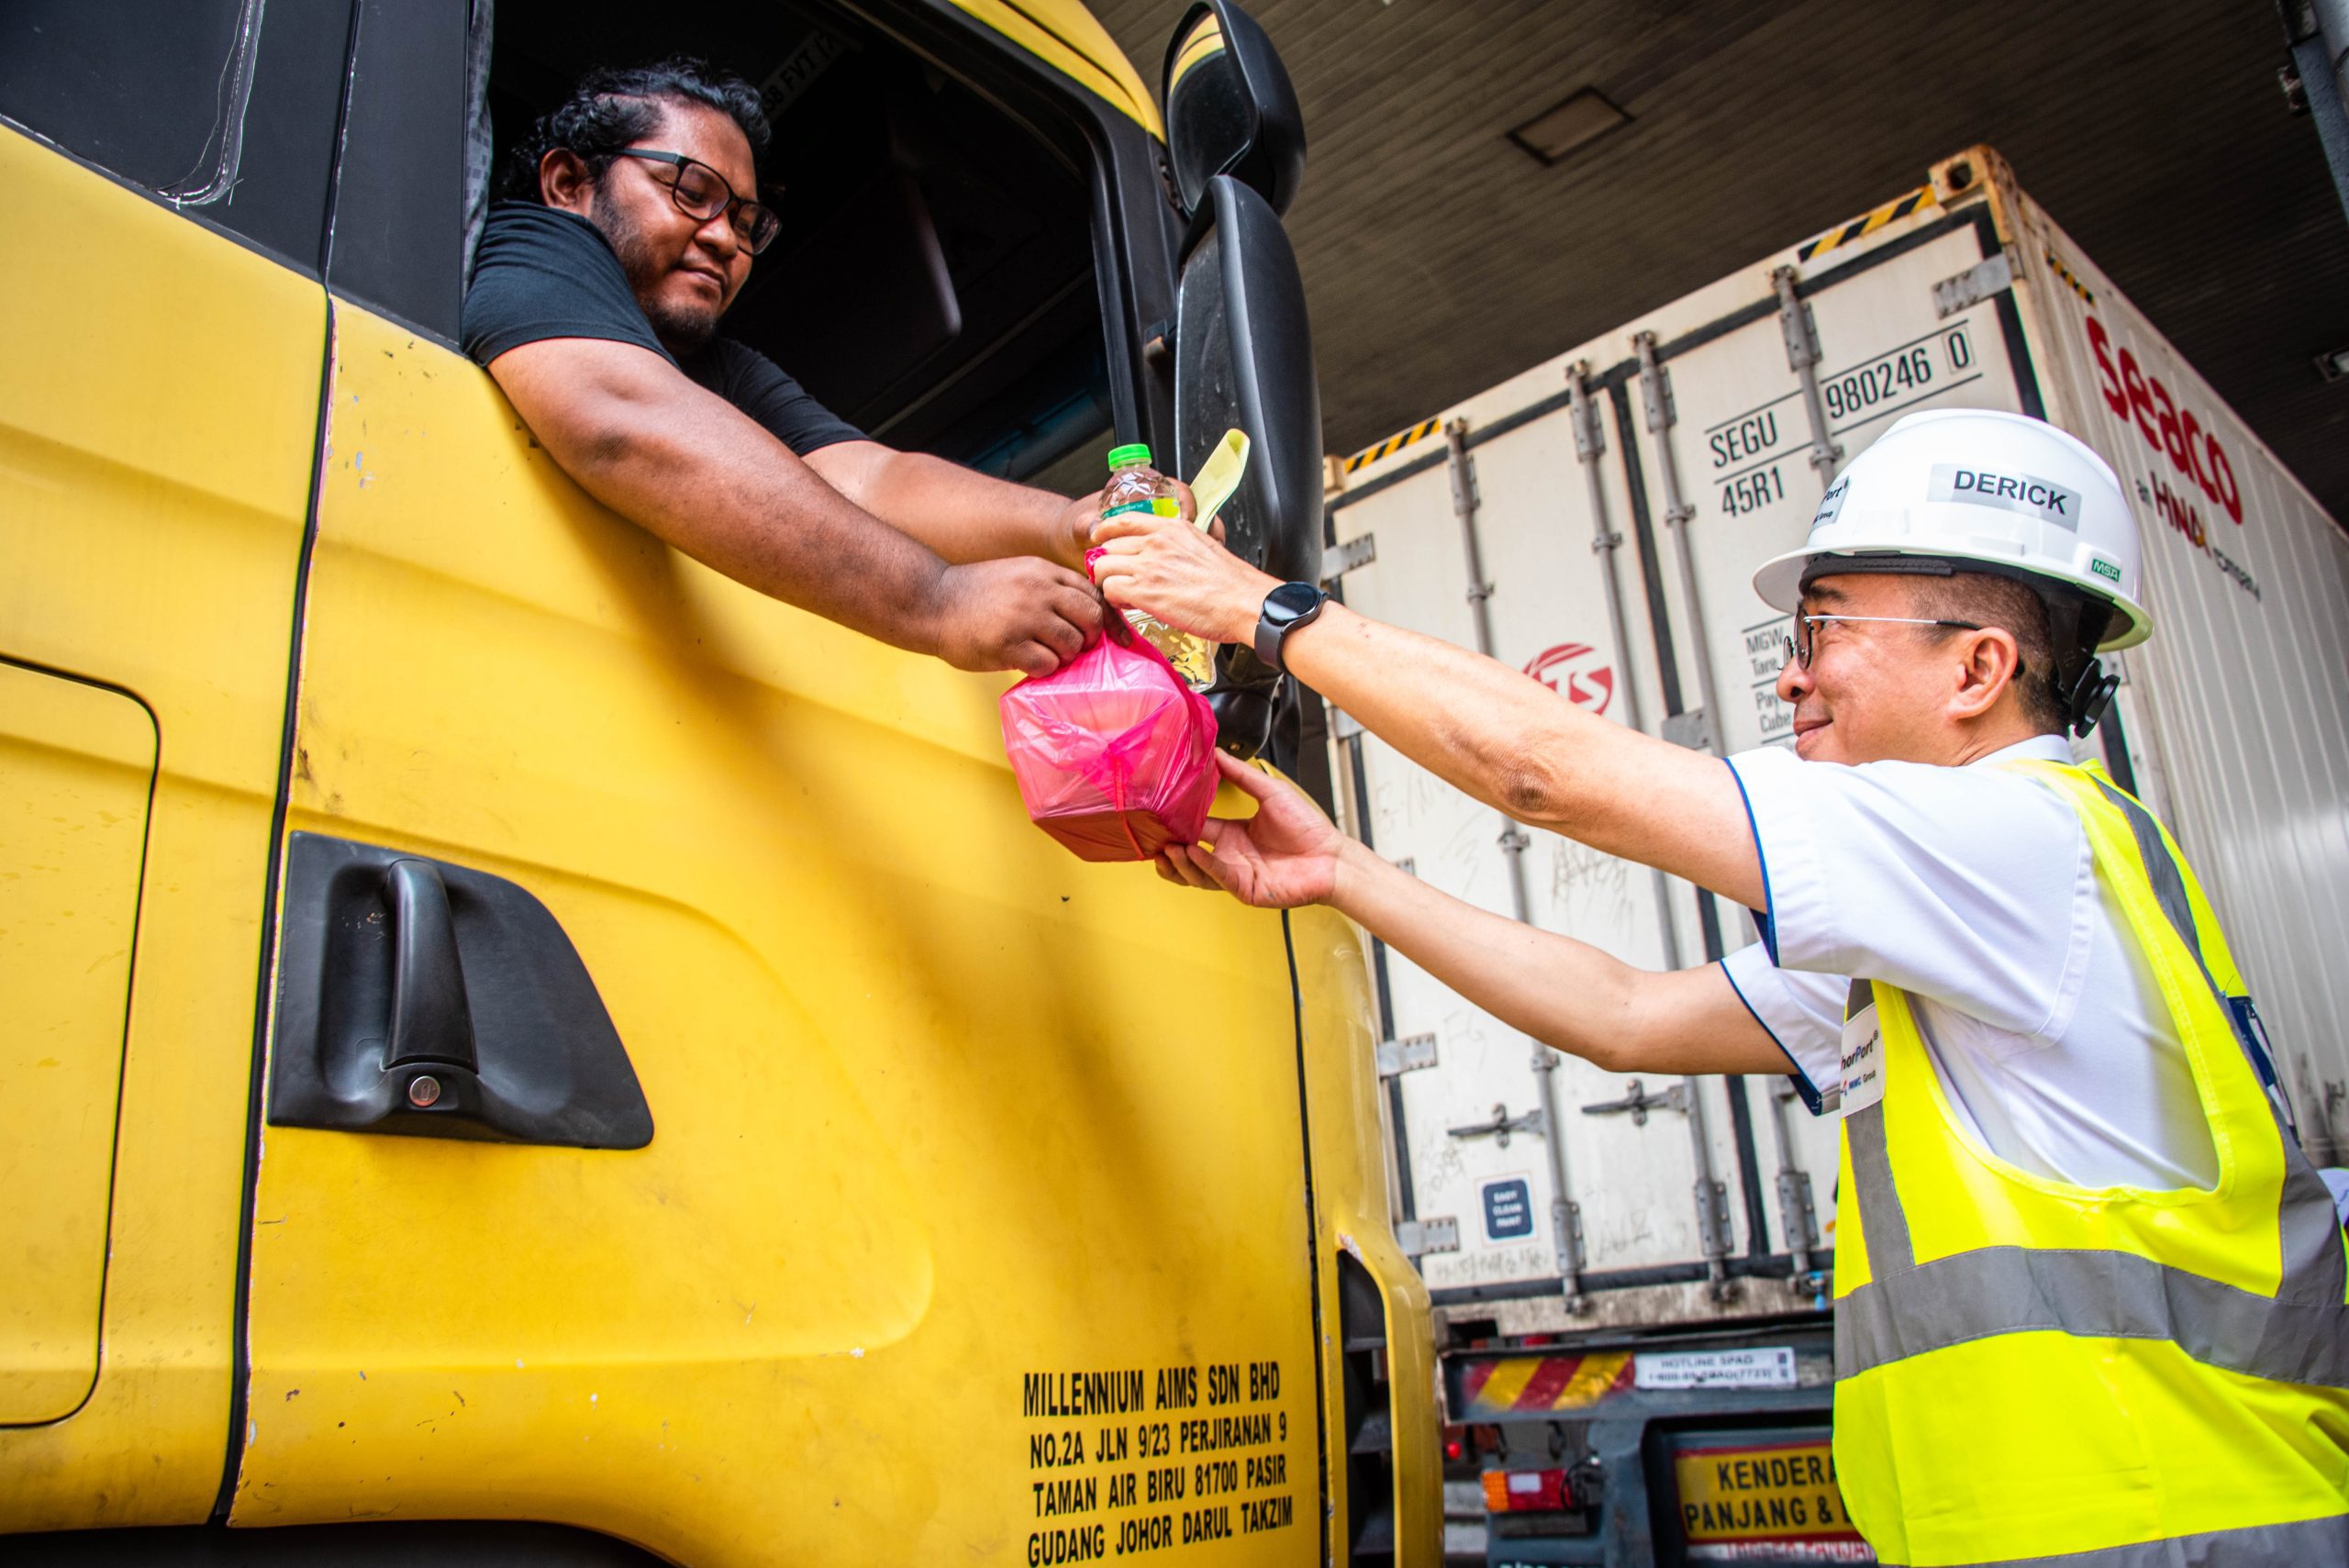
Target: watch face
[(1290, 600)]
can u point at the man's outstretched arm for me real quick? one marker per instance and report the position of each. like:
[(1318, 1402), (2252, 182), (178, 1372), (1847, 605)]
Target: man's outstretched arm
[(1565, 994), (1488, 730), (690, 468), (958, 512)]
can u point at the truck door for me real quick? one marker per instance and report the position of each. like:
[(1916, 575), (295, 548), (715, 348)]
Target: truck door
[(164, 346), (700, 1108)]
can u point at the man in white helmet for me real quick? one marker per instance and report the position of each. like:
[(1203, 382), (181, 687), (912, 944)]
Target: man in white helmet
[(2090, 1295)]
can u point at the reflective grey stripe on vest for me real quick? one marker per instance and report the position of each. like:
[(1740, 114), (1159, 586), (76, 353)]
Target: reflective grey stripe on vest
[(2169, 891), (1882, 1220), (1906, 1309), (2314, 1268), (2094, 1294), (2304, 1543)]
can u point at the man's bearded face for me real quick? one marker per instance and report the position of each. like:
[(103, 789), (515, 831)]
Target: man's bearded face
[(685, 271)]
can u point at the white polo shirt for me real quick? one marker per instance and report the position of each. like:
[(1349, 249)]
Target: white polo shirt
[(1973, 889)]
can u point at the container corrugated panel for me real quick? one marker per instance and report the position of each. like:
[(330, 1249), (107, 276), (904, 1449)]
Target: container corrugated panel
[(2243, 691)]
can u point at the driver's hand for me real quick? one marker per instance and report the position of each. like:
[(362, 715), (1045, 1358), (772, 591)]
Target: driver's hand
[(1021, 613)]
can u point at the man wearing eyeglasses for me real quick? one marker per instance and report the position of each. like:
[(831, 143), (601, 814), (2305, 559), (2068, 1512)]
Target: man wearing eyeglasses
[(595, 303), (2089, 1293)]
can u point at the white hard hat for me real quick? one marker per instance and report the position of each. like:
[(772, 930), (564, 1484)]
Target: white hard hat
[(1974, 485)]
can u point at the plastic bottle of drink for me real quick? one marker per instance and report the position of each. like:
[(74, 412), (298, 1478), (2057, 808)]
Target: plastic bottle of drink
[(1136, 486)]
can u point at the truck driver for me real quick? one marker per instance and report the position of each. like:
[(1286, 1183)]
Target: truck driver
[(594, 304)]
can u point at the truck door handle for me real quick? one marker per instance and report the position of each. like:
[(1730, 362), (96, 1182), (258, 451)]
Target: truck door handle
[(430, 1022), (428, 998)]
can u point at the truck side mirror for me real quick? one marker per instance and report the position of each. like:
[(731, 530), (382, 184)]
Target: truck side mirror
[(1230, 109), (1243, 352), (1243, 356)]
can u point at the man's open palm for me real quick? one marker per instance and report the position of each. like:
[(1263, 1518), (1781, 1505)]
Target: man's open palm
[(1284, 856)]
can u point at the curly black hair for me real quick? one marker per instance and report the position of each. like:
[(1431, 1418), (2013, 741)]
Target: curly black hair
[(613, 108)]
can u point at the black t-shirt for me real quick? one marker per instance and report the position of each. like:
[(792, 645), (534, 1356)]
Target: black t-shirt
[(542, 272)]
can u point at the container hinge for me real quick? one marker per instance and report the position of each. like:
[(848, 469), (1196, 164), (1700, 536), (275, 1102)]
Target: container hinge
[(1355, 552), (1513, 840), (1417, 1238), (1464, 496), (1796, 1217), (1343, 725), (1408, 866), (1712, 1217), (1502, 1124), (1796, 324), (1566, 1230), (1691, 729), (1590, 436), (1406, 1055), (1974, 284), (1799, 328), (1655, 387), (1639, 1102), (1606, 543)]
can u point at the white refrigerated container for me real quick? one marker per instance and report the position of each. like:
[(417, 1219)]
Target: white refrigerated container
[(1597, 521)]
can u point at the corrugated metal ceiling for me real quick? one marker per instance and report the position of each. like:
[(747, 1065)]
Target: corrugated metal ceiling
[(1439, 258)]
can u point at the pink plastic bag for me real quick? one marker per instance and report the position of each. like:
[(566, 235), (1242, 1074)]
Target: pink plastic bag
[(1115, 755)]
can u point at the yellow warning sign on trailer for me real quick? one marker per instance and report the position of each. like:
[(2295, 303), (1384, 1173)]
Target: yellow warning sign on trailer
[(1394, 443), (1859, 228)]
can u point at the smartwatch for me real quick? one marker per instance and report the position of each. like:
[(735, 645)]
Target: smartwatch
[(1286, 608)]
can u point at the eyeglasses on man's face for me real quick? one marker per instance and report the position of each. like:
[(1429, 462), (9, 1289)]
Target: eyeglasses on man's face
[(701, 192), (1805, 641)]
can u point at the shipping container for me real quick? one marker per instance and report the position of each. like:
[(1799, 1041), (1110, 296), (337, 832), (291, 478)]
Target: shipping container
[(1629, 1271)]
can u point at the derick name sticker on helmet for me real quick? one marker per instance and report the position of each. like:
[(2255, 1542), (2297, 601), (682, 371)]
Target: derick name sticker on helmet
[(2010, 491)]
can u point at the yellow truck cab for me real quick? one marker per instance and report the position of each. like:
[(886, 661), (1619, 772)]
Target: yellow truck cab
[(520, 1049)]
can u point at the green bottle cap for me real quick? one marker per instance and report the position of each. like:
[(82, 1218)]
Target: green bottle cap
[(1127, 456)]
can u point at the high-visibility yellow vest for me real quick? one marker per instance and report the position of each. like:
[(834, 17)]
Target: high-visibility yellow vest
[(2107, 1377)]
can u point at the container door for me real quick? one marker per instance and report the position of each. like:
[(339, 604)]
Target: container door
[(1646, 1208), (1742, 437), (964, 1216), (1734, 445)]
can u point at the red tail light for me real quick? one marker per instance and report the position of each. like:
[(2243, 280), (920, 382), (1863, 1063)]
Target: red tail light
[(1526, 1491)]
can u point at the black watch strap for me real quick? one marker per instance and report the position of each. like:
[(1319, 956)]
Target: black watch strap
[(1286, 608)]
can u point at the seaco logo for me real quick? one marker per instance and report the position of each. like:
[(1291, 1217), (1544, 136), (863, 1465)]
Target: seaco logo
[(2138, 399), (1572, 669)]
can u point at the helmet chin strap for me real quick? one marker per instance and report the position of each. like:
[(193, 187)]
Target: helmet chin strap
[(2076, 625), (2089, 696)]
